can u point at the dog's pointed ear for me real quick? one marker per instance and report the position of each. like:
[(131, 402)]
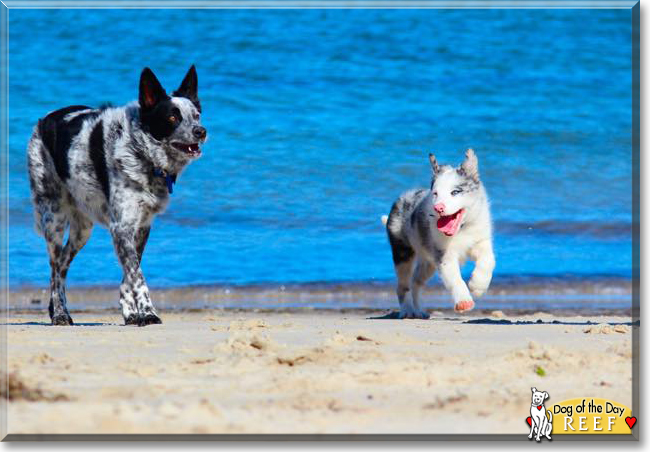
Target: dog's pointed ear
[(470, 165), (189, 88), (434, 164), (533, 390), (545, 395), (151, 91)]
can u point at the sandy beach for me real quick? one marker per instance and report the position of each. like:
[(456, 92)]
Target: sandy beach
[(307, 371)]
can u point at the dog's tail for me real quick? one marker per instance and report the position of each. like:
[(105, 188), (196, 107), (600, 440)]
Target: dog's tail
[(384, 220), (550, 416)]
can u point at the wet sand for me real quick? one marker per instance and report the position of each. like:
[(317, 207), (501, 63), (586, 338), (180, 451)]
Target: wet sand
[(225, 371)]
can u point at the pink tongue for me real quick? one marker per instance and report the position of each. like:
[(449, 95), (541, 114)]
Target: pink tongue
[(447, 224)]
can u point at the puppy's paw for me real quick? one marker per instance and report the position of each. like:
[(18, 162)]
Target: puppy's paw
[(464, 306), (149, 319), (478, 287), (412, 313), (62, 319)]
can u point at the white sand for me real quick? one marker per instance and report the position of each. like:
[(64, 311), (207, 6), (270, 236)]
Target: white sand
[(311, 372)]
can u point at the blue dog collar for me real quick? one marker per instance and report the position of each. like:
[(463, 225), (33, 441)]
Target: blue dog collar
[(170, 179)]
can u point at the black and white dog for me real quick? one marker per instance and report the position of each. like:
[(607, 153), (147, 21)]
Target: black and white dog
[(116, 167), (438, 229)]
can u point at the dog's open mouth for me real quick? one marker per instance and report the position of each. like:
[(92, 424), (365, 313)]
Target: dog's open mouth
[(191, 149), (449, 224)]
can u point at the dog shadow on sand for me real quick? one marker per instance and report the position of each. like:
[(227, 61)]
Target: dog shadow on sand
[(487, 321), (50, 324)]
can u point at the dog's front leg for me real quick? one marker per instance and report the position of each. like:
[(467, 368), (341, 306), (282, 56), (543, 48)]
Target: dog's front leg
[(483, 255), (134, 293), (450, 274), (540, 429)]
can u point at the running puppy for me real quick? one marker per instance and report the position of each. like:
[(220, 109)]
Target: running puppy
[(116, 167), (439, 229)]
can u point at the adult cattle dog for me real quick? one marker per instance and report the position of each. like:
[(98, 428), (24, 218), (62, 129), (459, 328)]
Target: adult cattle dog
[(116, 167)]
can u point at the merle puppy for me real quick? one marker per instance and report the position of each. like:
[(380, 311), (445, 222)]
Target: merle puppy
[(116, 167)]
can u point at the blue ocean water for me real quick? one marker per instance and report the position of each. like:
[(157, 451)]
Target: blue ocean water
[(318, 120)]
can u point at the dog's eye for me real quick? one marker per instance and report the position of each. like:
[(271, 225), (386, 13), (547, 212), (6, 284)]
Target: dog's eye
[(435, 193), (455, 192), (173, 119), (196, 116)]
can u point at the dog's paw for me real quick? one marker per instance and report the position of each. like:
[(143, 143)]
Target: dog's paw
[(132, 319), (62, 319), (477, 288), (412, 313), (149, 319), (464, 306)]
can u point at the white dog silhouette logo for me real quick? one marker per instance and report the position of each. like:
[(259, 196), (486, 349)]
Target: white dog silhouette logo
[(540, 424)]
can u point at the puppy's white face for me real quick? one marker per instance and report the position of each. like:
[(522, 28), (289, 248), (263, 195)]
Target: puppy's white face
[(452, 192)]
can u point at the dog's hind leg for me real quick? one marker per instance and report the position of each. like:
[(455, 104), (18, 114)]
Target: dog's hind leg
[(80, 229), (423, 272), (403, 258), (54, 223), (404, 271)]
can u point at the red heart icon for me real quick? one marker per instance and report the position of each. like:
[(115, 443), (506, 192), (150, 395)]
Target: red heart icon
[(529, 420), (539, 407), (630, 421)]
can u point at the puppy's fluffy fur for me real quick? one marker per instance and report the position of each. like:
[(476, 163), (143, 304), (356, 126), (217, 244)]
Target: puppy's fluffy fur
[(438, 229), (115, 167)]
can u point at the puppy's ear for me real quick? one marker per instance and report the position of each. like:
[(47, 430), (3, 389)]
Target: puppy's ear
[(434, 164), (470, 165), (545, 395), (534, 390), (151, 91), (189, 88)]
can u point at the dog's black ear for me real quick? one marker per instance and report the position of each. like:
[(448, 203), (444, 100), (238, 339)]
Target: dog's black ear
[(434, 164), (534, 389), (151, 91), (189, 88)]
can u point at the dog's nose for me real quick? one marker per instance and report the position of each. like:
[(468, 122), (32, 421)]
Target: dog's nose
[(199, 132), (440, 207)]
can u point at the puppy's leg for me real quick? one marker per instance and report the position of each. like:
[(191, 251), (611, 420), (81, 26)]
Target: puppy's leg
[(403, 258), (483, 255), (404, 271), (453, 281), (134, 293), (423, 272)]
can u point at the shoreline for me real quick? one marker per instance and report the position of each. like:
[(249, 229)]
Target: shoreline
[(581, 295)]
